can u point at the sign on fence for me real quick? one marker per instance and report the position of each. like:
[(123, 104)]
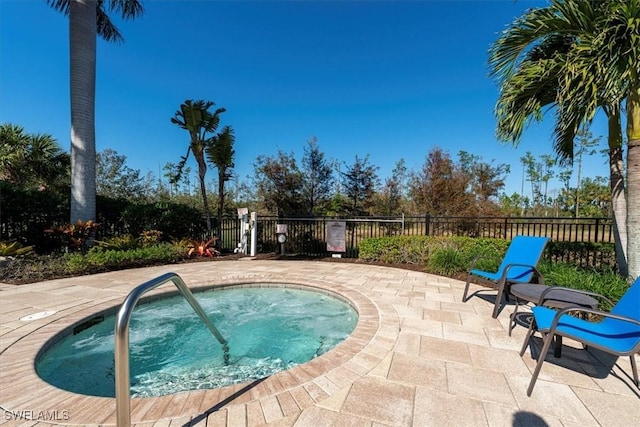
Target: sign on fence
[(336, 236)]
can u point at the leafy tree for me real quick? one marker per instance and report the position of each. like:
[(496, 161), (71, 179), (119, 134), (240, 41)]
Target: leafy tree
[(533, 171), (391, 198), (513, 205), (359, 182), (220, 152), (87, 20), (440, 187), (485, 180), (171, 172), (195, 118), (585, 147), (115, 179), (596, 67), (317, 179), (279, 184), (546, 165), (32, 161), (595, 197)]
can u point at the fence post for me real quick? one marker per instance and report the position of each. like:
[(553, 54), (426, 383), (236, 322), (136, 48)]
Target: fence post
[(427, 220), (506, 220), (597, 229)]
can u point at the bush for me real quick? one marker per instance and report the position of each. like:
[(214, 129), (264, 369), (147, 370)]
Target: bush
[(118, 243), (584, 254), (603, 281), (447, 261), (424, 250), (171, 219), (101, 260), (14, 249), (27, 213)]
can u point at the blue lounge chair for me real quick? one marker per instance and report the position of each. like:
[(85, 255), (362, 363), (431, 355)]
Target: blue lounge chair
[(618, 333), (519, 265)]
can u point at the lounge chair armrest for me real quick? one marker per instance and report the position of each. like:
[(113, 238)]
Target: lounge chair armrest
[(560, 313), (536, 272), (543, 296)]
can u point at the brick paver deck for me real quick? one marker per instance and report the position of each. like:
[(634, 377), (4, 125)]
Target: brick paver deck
[(419, 356)]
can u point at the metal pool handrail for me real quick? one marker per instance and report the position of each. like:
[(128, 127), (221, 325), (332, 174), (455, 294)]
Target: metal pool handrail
[(123, 392)]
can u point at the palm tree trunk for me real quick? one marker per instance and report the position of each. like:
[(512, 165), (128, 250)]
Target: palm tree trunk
[(221, 174), (618, 199), (82, 47), (633, 177), (202, 171)]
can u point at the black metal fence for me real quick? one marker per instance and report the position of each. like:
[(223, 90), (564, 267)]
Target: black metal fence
[(585, 241)]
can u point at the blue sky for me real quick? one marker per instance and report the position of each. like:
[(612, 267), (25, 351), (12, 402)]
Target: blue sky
[(387, 79)]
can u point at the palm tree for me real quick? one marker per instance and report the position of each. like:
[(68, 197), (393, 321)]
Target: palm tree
[(220, 152), (578, 56), (31, 160), (87, 19), (195, 117)]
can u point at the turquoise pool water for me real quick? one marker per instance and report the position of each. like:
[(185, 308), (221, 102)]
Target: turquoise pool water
[(268, 329)]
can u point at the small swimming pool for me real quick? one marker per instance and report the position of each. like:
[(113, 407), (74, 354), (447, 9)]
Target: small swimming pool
[(269, 329)]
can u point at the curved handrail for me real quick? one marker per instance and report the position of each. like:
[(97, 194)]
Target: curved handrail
[(123, 392)]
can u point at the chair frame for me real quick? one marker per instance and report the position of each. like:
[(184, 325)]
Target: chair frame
[(553, 332), (502, 285), (563, 301)]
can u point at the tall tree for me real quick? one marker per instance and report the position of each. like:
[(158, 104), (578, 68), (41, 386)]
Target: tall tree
[(195, 118), (115, 179), (547, 163), (597, 68), (220, 152), (391, 199), (533, 172), (279, 184), (485, 180), (585, 147), (87, 20), (440, 186), (317, 179), (360, 181)]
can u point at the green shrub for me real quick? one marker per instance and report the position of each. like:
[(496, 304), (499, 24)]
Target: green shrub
[(99, 260), (603, 281), (582, 253), (14, 249), (75, 237), (172, 219), (448, 261), (119, 243), (150, 238), (421, 249)]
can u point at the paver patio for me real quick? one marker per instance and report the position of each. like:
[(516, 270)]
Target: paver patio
[(419, 356)]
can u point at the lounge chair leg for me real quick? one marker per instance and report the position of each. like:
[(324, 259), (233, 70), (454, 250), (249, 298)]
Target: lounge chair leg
[(512, 322), (545, 348), (466, 288), (634, 369), (499, 297), (527, 338)]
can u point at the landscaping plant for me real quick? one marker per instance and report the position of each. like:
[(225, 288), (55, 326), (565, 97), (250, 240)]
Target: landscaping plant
[(203, 248), (75, 237)]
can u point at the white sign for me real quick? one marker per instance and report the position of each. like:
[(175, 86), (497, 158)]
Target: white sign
[(281, 228), (243, 211), (336, 236)]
